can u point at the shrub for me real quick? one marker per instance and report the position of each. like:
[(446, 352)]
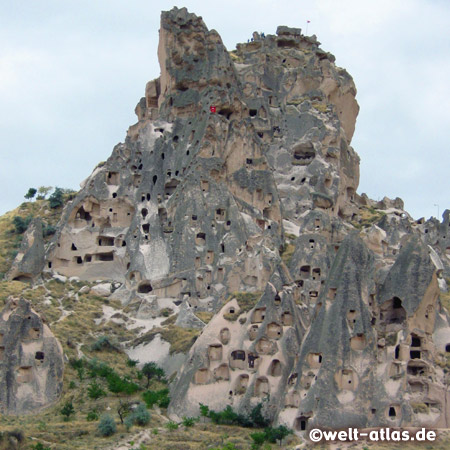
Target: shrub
[(117, 384), (21, 224), (40, 446), (103, 343), (189, 421), (229, 417), (204, 410), (132, 362), (76, 363), (257, 417), (72, 385), (140, 416), (92, 416), (56, 199), (276, 434), (67, 410), (160, 398), (171, 426), (258, 438), (49, 230), (95, 391), (106, 426)]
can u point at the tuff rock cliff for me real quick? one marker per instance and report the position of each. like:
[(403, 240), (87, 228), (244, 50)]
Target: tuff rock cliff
[(31, 360), (235, 194)]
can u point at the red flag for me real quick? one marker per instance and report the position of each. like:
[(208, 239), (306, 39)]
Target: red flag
[(212, 109)]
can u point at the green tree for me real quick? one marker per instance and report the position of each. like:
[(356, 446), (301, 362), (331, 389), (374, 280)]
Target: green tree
[(67, 410), (277, 434), (257, 417), (31, 193), (56, 199), (151, 370), (43, 191)]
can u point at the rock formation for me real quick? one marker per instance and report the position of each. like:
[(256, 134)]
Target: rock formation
[(30, 258), (237, 158), (31, 360)]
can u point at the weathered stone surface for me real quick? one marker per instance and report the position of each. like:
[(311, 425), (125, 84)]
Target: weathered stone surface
[(30, 259), (31, 360), (235, 193)]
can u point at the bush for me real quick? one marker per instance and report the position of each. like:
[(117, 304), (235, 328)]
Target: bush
[(103, 343), (258, 438), (117, 384), (67, 410), (95, 391), (276, 434), (257, 417), (229, 417), (189, 421), (106, 426), (56, 199), (132, 362), (140, 416), (171, 426), (49, 230), (39, 446), (92, 416), (21, 224), (160, 398)]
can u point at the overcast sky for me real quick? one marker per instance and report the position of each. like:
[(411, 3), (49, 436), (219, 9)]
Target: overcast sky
[(72, 71)]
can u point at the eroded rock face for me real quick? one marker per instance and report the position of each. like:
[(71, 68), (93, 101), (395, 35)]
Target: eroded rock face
[(30, 259), (236, 158), (31, 360)]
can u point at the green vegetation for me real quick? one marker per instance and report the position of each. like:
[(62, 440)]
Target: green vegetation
[(106, 426), (31, 193), (56, 199), (21, 224), (67, 410), (151, 370), (228, 417), (189, 421), (160, 398), (95, 391), (139, 416)]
